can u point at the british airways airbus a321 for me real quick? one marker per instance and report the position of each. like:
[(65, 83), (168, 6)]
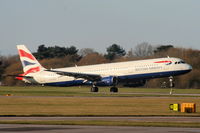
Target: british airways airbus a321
[(110, 74)]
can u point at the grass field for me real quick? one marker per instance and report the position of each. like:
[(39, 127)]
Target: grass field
[(78, 101), (91, 106), (85, 91)]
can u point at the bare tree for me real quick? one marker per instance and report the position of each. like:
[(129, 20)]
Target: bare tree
[(85, 51), (130, 53), (93, 58), (144, 49)]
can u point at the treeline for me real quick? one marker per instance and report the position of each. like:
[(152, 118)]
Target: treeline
[(56, 57)]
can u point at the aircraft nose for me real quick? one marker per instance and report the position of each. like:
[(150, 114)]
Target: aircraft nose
[(189, 67)]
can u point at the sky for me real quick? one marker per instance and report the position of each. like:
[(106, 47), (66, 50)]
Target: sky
[(98, 24)]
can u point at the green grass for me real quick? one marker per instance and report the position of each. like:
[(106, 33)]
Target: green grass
[(85, 91), (78, 101), (108, 123), (93, 106)]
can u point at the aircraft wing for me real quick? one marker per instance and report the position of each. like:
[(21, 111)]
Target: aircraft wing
[(89, 77)]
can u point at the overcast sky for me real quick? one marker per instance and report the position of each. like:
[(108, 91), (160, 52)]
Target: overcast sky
[(98, 23)]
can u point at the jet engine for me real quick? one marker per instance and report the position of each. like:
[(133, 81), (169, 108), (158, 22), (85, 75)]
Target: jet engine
[(108, 81)]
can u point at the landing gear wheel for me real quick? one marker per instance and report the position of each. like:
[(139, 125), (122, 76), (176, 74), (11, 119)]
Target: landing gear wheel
[(94, 89), (113, 89)]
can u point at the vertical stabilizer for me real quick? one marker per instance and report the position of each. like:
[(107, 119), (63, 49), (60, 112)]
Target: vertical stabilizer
[(29, 62)]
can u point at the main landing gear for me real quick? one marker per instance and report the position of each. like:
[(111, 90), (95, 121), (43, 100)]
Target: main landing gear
[(114, 89), (94, 88), (112, 79)]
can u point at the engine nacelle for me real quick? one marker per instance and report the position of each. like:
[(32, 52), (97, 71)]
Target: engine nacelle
[(108, 81)]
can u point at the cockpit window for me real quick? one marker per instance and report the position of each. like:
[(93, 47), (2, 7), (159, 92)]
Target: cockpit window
[(180, 62), (183, 62)]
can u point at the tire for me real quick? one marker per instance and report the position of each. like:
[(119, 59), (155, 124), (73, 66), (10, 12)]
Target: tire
[(94, 89), (113, 89)]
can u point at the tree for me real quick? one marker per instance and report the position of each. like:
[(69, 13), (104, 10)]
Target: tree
[(144, 49), (2, 67), (72, 50), (44, 52), (115, 51), (130, 53), (60, 62), (93, 58), (85, 51), (163, 48), (13, 69)]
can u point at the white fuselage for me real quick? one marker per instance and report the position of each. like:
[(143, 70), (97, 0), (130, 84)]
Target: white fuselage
[(144, 69)]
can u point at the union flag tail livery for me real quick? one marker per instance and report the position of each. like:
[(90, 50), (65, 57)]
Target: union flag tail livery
[(29, 62)]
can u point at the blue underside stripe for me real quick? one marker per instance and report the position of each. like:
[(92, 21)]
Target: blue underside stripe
[(121, 78)]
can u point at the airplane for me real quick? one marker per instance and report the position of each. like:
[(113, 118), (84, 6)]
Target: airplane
[(135, 73)]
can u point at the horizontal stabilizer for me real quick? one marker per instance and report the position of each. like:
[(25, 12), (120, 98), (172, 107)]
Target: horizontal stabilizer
[(18, 76)]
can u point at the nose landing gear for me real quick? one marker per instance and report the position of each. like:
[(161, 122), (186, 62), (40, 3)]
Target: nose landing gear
[(171, 85), (94, 88)]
